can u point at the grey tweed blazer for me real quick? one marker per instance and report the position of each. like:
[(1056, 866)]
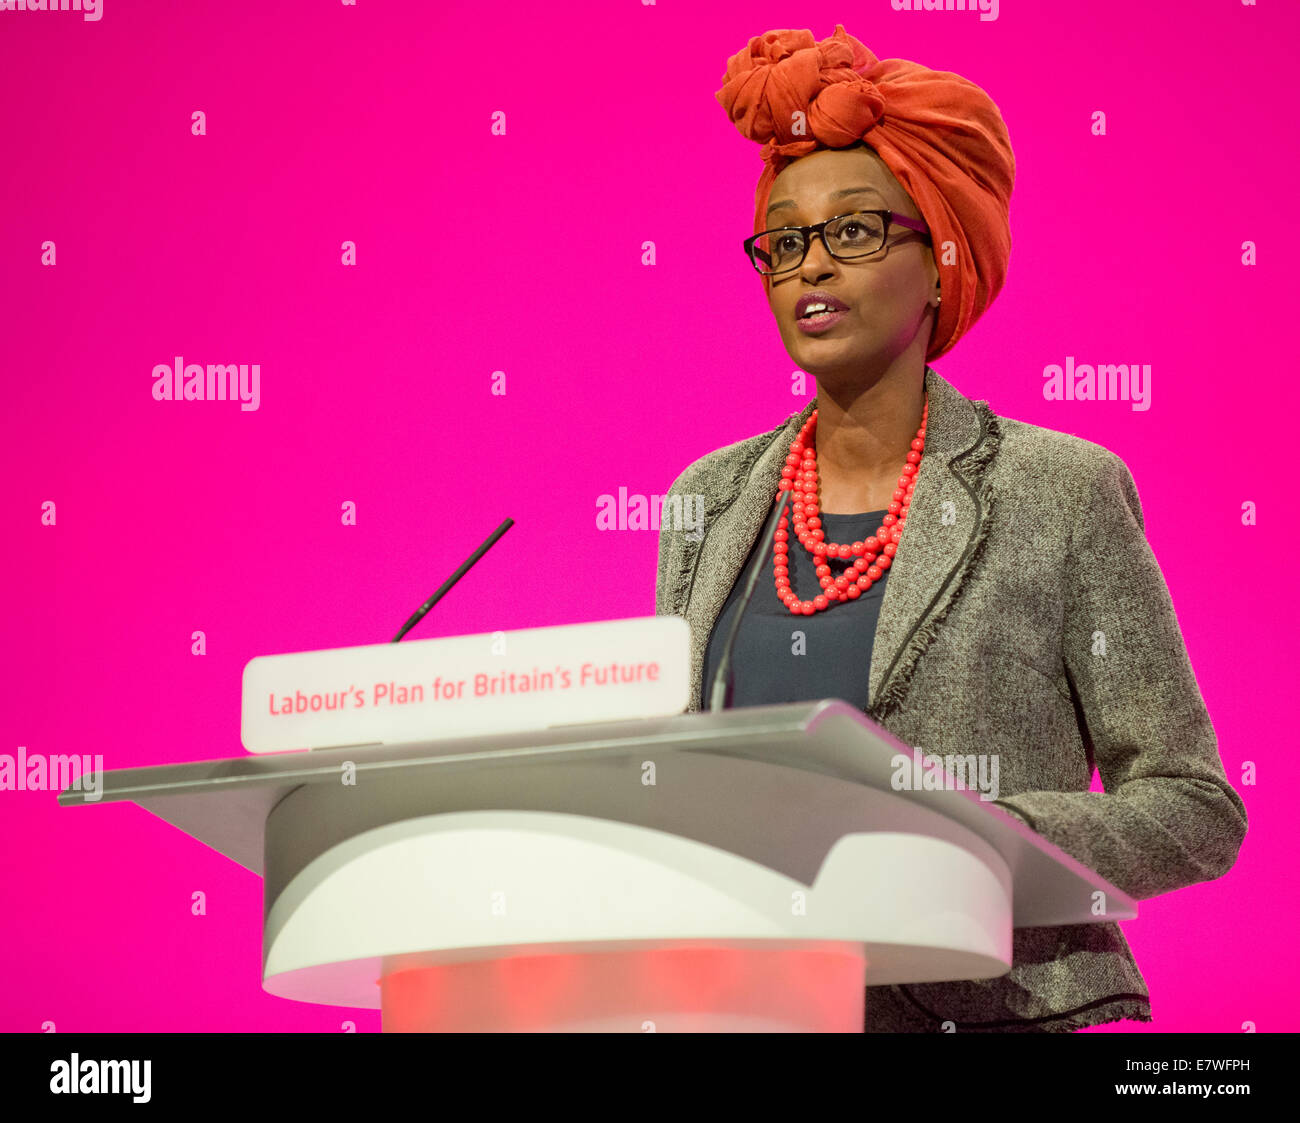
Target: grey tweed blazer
[(1027, 616)]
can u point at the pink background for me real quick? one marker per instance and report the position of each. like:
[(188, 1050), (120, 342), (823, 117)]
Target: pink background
[(329, 122)]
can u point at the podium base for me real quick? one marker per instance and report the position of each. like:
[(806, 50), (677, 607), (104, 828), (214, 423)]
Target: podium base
[(676, 988)]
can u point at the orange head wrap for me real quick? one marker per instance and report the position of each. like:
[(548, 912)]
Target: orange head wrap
[(939, 134)]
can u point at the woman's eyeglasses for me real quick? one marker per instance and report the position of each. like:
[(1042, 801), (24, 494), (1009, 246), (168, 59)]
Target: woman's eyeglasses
[(846, 237)]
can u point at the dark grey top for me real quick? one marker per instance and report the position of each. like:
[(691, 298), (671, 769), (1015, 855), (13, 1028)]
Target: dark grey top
[(780, 657)]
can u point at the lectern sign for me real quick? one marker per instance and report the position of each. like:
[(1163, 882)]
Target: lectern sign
[(420, 690)]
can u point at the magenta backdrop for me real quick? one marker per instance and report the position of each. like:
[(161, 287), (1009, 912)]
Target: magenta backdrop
[(372, 123)]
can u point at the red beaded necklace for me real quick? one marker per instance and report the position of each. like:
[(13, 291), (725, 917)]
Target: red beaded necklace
[(870, 557)]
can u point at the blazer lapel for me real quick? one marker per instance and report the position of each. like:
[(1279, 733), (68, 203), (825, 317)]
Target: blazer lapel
[(961, 437), (735, 512), (947, 525)]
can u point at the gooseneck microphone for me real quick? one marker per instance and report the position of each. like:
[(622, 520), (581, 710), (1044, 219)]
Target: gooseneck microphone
[(721, 694), (464, 569)]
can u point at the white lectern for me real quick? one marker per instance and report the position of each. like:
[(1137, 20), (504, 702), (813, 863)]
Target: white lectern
[(747, 870)]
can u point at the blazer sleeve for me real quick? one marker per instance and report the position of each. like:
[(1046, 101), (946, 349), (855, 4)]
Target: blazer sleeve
[(664, 566), (1168, 817), (670, 543)]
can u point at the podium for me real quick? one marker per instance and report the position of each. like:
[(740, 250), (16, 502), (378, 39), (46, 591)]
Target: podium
[(749, 870)]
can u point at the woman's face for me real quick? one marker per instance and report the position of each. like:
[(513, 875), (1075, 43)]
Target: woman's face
[(888, 294)]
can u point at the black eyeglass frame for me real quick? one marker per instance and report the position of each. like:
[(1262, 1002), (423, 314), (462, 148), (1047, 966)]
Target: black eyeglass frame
[(890, 218)]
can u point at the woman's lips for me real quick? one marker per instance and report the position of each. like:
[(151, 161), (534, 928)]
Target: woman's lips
[(821, 322)]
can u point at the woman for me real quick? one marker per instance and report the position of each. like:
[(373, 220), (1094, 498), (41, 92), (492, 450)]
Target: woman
[(1022, 609)]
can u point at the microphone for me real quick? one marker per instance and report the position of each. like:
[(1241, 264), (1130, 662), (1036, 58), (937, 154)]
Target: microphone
[(464, 569), (720, 697)]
